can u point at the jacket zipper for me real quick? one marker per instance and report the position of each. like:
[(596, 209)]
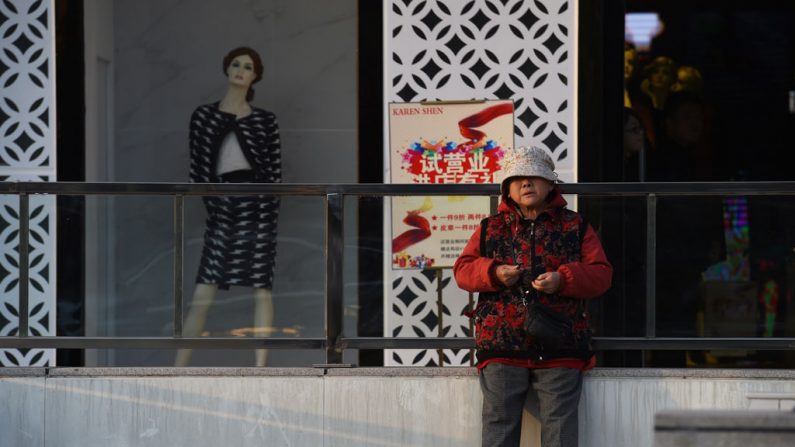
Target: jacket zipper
[(532, 255), (532, 250)]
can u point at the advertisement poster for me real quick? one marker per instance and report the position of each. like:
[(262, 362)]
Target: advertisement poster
[(435, 143)]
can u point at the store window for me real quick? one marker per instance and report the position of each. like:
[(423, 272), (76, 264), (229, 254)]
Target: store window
[(150, 67), (707, 88)]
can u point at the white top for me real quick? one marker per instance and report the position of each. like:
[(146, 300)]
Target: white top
[(230, 157)]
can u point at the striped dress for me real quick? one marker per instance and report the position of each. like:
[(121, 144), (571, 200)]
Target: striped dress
[(240, 235)]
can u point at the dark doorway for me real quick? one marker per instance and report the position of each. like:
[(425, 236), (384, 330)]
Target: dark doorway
[(731, 65), (371, 162), (70, 141), (745, 54)]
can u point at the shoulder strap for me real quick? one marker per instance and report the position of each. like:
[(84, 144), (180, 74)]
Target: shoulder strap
[(484, 224)]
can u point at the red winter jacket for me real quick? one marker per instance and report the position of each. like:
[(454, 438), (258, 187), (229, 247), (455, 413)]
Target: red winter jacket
[(588, 278)]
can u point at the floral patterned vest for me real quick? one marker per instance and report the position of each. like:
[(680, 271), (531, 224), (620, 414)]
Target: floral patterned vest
[(538, 246)]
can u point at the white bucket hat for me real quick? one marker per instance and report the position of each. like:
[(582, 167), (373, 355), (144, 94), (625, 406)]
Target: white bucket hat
[(526, 162)]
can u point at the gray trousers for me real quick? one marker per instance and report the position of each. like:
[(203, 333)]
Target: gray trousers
[(505, 389)]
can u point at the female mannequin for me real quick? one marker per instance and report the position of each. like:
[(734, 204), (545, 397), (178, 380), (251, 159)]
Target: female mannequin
[(233, 142), (660, 77), (630, 61)]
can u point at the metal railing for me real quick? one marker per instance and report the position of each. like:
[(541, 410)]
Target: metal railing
[(334, 342)]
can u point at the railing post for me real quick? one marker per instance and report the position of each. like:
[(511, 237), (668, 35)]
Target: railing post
[(440, 313), (471, 327), (179, 227), (24, 263), (334, 287), (651, 265)]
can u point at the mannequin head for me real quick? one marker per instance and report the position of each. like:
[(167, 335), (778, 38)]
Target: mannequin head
[(630, 60), (661, 73), (659, 76), (688, 79), (243, 58)]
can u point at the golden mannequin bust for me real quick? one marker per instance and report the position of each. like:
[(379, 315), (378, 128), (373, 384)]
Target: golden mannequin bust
[(630, 61), (688, 79), (660, 76)]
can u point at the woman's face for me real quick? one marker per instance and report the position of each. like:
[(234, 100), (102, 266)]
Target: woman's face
[(633, 135), (529, 192), (241, 71)]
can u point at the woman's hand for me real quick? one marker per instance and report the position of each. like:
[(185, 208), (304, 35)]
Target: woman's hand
[(547, 282), (508, 274)]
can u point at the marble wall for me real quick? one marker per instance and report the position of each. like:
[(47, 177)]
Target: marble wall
[(336, 407), (166, 61)]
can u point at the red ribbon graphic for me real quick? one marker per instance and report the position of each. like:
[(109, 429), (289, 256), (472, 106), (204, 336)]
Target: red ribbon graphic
[(468, 124), (411, 237)]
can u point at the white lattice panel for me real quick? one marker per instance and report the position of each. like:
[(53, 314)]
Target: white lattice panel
[(27, 153)]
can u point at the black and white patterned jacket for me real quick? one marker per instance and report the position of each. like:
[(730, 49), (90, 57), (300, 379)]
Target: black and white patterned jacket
[(257, 133)]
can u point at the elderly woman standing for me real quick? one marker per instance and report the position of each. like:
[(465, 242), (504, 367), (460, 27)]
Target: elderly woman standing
[(232, 141), (535, 264)]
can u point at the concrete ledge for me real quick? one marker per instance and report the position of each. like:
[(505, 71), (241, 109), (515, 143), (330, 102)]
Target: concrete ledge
[(695, 373), (23, 372), (727, 428), (403, 372), (187, 372), (635, 373), (770, 396), (725, 420)]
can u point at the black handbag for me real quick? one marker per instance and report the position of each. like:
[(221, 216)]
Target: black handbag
[(548, 328)]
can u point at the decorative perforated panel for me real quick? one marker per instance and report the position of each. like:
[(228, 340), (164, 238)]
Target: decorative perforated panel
[(479, 49), (27, 153)]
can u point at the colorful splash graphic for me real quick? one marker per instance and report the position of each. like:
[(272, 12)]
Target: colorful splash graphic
[(736, 266), (446, 162), (405, 260), (768, 297), (474, 161)]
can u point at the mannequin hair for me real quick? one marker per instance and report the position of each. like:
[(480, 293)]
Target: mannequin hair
[(250, 52)]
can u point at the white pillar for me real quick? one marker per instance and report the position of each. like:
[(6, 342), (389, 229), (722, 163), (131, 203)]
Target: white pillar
[(27, 153)]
